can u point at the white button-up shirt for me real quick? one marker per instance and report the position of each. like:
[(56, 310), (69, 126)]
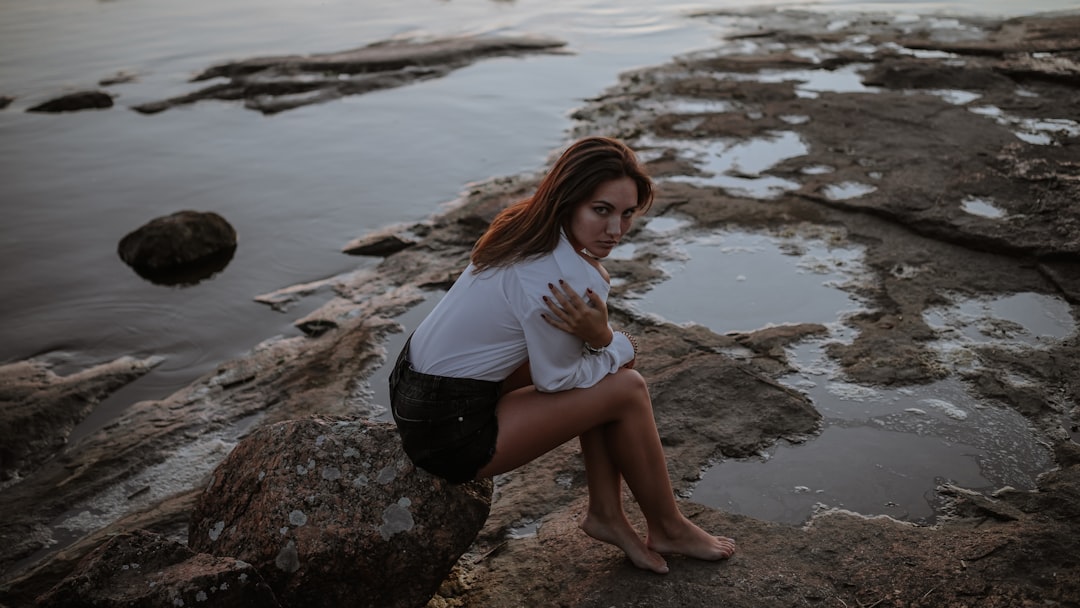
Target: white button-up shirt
[(489, 323)]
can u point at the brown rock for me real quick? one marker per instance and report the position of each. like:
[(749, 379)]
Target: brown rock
[(336, 506), (377, 245), (38, 409), (144, 570)]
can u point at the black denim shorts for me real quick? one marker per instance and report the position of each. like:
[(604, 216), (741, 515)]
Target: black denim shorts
[(447, 425)]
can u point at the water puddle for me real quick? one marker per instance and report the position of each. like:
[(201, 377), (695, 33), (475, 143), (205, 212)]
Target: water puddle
[(955, 97), (1010, 321), (811, 83), (738, 167), (740, 281), (982, 208), (847, 190), (1037, 131), (881, 452)]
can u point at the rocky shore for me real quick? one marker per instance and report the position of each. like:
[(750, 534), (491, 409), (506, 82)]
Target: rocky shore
[(904, 124)]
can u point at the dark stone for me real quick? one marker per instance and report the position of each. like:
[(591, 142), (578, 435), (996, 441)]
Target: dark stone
[(5, 101), (74, 102), (141, 569), (379, 245), (336, 506), (276, 84), (182, 248)]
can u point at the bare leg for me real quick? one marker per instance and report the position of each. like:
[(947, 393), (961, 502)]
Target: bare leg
[(532, 423), (605, 519)]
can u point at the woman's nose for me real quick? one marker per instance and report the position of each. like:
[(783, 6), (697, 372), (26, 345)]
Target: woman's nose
[(614, 226)]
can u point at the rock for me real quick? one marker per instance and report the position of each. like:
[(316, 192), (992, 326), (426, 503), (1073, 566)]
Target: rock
[(379, 245), (336, 506), (74, 102), (5, 101), (275, 84), (181, 248), (144, 570), (38, 409), (121, 77)]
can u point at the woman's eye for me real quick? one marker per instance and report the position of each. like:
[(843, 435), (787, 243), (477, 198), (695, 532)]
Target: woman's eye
[(601, 210)]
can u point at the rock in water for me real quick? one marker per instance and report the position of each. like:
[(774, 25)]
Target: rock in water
[(333, 513), (143, 569), (184, 247), (74, 102)]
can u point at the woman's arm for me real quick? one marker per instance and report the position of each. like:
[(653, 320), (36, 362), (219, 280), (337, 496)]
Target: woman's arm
[(587, 320)]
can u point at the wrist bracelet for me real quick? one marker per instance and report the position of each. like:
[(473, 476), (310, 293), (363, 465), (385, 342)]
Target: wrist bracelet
[(592, 350), (633, 340)]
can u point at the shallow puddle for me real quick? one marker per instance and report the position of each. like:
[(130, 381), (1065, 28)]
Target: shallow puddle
[(738, 281), (738, 166), (1013, 320), (883, 451), (981, 207), (1037, 131)]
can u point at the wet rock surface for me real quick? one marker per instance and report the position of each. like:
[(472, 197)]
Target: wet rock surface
[(38, 408), (275, 84), (336, 506), (141, 569), (952, 194)]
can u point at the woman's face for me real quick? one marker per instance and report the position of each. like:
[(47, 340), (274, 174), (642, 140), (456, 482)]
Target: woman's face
[(599, 222)]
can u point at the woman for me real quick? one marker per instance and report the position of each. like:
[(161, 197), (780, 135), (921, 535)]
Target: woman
[(513, 362)]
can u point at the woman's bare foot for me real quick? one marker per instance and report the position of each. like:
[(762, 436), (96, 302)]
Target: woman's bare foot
[(685, 538), (622, 535)]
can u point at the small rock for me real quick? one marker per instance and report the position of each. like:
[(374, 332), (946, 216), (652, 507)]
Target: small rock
[(377, 245), (120, 77), (74, 102)]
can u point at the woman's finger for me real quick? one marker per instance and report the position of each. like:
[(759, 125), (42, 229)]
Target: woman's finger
[(556, 309), (568, 298)]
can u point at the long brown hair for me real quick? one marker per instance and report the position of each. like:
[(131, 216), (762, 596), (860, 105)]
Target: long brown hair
[(531, 227)]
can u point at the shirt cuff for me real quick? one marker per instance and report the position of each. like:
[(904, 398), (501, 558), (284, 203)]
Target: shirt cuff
[(622, 349)]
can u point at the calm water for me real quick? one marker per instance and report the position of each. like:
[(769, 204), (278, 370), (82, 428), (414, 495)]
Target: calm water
[(298, 185)]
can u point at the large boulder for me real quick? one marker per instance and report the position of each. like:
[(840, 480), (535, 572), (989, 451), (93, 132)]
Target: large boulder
[(181, 248), (141, 569), (333, 513)]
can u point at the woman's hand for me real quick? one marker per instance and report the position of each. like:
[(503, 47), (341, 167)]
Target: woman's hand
[(587, 320)]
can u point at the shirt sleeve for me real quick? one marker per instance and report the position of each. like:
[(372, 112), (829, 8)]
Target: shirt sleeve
[(557, 359)]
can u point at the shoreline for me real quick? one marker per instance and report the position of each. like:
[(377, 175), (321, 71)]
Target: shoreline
[(921, 147)]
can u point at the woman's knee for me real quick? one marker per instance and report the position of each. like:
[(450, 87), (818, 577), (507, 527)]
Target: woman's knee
[(632, 387)]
